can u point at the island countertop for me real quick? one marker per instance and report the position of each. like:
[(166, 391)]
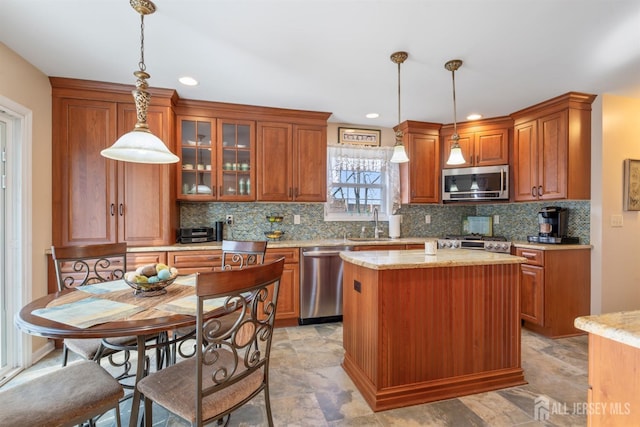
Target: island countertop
[(416, 258), (623, 326)]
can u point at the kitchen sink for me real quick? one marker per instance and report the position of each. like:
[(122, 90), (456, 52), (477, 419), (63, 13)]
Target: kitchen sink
[(368, 239)]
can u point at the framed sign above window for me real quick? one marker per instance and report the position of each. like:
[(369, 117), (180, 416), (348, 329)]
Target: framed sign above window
[(370, 137), (631, 185)]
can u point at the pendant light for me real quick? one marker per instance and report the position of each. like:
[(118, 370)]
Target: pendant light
[(140, 145), (455, 156), (399, 154)]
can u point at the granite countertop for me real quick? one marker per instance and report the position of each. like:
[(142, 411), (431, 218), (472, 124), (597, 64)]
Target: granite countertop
[(286, 244), (548, 246), (623, 326), (416, 258)]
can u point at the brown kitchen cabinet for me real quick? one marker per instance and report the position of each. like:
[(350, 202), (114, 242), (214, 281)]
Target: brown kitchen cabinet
[(291, 162), (261, 153), (217, 158), (552, 149), (420, 177), (483, 143), (236, 160), (189, 262), (289, 296), (555, 288), (98, 200), (197, 142)]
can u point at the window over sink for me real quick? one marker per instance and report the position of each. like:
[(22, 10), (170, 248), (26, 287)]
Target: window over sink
[(359, 180)]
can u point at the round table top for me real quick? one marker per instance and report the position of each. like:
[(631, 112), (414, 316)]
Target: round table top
[(146, 322)]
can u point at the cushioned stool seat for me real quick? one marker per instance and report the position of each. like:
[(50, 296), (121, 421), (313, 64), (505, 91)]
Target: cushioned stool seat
[(65, 397)]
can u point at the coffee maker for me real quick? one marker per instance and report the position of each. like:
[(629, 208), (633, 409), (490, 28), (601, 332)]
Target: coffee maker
[(552, 226)]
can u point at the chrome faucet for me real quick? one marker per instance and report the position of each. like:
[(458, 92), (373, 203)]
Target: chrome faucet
[(376, 230)]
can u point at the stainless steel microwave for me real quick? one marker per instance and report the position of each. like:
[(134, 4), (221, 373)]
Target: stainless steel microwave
[(475, 184)]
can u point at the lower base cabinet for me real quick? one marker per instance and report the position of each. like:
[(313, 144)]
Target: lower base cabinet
[(555, 288), (189, 262), (612, 397)]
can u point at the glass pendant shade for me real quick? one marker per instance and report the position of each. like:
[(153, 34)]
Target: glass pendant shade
[(399, 154), (140, 146), (455, 155)]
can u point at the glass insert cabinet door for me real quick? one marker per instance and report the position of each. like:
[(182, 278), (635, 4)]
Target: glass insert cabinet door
[(236, 157), (196, 177)]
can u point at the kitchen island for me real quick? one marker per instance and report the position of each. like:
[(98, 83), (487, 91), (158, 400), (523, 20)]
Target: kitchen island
[(614, 357), (419, 328)]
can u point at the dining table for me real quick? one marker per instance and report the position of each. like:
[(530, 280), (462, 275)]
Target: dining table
[(113, 309)]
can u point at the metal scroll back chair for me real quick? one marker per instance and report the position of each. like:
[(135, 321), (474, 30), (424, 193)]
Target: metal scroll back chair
[(231, 365), (240, 254), (236, 254), (85, 265)]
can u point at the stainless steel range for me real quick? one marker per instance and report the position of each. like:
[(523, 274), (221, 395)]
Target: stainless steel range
[(476, 241)]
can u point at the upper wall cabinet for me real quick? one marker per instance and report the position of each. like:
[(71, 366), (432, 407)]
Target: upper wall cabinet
[(420, 177), (97, 200), (292, 162), (552, 149), (261, 153), (217, 159), (483, 143)]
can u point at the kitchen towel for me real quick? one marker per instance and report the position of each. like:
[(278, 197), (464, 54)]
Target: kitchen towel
[(394, 225)]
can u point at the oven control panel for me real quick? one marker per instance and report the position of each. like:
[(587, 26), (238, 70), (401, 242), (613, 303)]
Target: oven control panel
[(486, 245)]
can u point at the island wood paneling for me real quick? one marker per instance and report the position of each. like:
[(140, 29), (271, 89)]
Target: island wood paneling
[(419, 335)]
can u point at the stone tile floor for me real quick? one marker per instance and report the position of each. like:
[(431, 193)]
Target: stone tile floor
[(309, 388)]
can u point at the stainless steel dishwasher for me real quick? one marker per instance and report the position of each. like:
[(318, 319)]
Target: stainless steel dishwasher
[(321, 284)]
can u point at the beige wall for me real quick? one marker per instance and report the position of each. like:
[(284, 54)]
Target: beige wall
[(25, 85), (615, 273)]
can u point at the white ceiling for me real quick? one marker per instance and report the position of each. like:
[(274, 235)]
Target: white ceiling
[(333, 55)]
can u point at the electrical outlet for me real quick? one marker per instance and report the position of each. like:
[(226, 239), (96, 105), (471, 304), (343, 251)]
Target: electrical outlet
[(229, 220), (427, 219), (496, 219), (296, 219)]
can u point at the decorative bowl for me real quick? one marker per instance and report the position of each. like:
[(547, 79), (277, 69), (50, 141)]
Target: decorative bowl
[(274, 218), (153, 281), (274, 234), (150, 289)]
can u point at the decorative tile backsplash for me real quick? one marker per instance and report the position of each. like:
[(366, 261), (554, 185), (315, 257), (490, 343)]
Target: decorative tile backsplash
[(517, 220)]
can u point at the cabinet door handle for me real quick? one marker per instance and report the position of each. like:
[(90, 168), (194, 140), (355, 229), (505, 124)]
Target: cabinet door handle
[(220, 189), (539, 190), (113, 209), (534, 191), (121, 209), (529, 255), (295, 192), (290, 192)]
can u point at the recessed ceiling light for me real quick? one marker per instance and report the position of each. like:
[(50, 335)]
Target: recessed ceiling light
[(188, 81), (474, 116), (372, 116)]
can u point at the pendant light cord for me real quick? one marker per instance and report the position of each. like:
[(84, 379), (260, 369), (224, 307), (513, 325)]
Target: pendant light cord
[(141, 64), (455, 121), (399, 116)]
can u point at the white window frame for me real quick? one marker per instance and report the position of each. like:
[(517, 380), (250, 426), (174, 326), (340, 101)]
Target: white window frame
[(389, 174)]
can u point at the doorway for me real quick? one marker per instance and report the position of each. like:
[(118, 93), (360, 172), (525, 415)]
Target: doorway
[(15, 233)]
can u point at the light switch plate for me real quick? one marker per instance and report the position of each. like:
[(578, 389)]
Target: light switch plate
[(296, 219), (616, 220)]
